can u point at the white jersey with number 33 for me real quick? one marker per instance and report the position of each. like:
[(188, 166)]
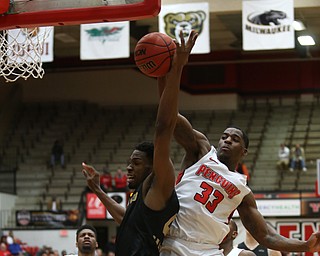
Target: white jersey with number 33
[(208, 194)]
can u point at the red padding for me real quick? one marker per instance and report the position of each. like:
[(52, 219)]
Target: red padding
[(73, 16), (4, 6)]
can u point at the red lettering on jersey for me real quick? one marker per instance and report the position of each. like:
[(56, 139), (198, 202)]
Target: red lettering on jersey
[(179, 177), (210, 174)]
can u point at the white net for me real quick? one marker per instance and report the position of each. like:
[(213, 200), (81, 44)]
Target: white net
[(20, 53)]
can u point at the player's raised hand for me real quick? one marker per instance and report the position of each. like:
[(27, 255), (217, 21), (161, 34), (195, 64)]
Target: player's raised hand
[(314, 242), (92, 176), (183, 49)]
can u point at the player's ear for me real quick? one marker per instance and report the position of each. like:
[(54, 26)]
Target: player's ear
[(245, 151), (234, 234)]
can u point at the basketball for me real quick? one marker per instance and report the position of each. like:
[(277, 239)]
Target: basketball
[(153, 54)]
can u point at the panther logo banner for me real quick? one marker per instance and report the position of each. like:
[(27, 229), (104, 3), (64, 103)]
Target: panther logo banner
[(267, 24)]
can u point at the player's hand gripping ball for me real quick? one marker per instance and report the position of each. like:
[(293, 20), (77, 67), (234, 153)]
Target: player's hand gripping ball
[(153, 54)]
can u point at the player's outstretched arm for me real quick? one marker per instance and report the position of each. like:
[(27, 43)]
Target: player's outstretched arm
[(93, 182), (258, 228), (164, 181)]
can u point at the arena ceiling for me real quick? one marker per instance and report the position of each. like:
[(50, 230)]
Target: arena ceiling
[(225, 31), (225, 38)]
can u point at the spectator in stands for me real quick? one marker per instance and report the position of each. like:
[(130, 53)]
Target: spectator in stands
[(51, 253), (297, 158), (44, 251), (10, 237), (15, 248), (120, 180), (106, 181), (284, 157), (57, 154), (63, 253), (4, 250), (227, 243), (243, 169), (3, 239), (54, 204), (111, 254), (252, 245), (86, 240)]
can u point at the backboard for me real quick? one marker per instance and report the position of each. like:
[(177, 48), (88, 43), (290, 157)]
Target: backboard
[(26, 13)]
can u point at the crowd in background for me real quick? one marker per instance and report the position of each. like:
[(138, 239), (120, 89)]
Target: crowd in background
[(292, 159), (13, 246)]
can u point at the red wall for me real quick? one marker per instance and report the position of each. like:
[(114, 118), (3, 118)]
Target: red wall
[(252, 75)]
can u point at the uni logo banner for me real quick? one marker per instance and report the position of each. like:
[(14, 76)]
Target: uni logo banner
[(104, 40), (176, 17), (25, 40), (267, 24)]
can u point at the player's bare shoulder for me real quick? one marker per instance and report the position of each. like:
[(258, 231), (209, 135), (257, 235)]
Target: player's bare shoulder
[(247, 253)]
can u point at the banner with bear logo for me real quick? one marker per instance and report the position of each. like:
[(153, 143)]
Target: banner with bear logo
[(176, 17), (104, 40), (267, 24)]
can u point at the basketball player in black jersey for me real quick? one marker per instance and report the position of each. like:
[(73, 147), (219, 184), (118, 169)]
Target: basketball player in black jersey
[(251, 244), (154, 202)]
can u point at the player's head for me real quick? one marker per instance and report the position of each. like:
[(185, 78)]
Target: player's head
[(86, 239), (233, 146), (140, 164), (233, 233), (233, 229)]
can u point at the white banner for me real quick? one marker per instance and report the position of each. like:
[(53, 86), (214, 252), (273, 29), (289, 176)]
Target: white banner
[(105, 40), (120, 198), (277, 207), (23, 42), (176, 17), (267, 24)]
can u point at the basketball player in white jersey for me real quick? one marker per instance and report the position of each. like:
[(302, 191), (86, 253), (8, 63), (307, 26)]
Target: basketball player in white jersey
[(227, 243), (209, 191)]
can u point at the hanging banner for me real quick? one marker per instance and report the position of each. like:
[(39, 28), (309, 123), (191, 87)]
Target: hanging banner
[(267, 24), (96, 210), (120, 198), (24, 42), (52, 219), (104, 40), (186, 17)]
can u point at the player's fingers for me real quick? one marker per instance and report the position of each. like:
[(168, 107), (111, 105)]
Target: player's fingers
[(176, 42), (84, 165), (193, 37), (181, 38), (88, 168), (85, 173)]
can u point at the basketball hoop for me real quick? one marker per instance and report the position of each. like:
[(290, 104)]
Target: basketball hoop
[(20, 52)]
